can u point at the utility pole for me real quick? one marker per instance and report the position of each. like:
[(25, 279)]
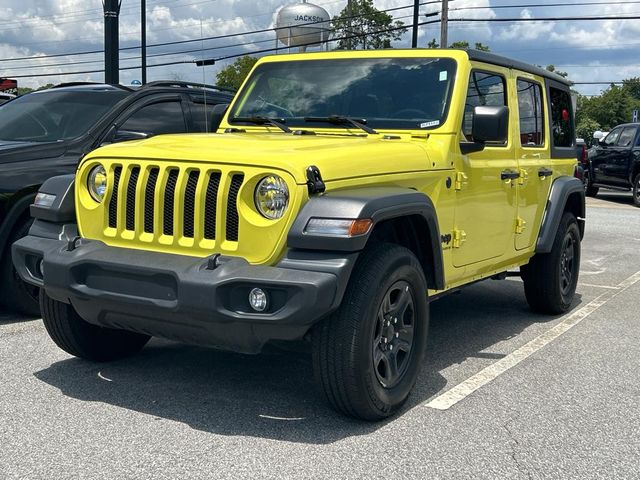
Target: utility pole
[(143, 24), (444, 20), (349, 34), (414, 38), (111, 42)]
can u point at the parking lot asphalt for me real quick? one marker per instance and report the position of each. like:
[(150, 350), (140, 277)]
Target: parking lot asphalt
[(567, 408)]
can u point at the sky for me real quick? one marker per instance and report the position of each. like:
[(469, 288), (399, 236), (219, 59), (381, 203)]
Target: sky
[(590, 51)]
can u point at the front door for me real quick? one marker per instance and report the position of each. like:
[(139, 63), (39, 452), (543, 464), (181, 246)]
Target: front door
[(486, 193)]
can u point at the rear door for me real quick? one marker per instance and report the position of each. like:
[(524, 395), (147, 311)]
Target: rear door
[(618, 167), (534, 161)]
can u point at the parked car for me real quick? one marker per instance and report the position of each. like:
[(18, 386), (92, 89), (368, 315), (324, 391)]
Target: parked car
[(344, 190), (5, 97), (46, 133), (615, 162)]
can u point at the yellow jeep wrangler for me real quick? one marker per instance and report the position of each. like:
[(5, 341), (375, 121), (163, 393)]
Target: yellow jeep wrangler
[(342, 193)]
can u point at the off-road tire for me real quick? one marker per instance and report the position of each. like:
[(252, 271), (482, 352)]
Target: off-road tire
[(550, 279), (589, 189), (85, 340), (636, 190), (345, 344), (17, 295)]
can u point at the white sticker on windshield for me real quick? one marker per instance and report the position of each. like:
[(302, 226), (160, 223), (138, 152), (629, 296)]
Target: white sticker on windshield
[(443, 75), (434, 123)]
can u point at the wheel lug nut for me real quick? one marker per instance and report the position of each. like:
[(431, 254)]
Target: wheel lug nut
[(390, 347), (397, 334)]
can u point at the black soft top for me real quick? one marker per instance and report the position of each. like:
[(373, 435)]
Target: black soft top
[(494, 59)]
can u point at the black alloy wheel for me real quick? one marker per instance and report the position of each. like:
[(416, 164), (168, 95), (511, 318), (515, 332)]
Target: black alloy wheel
[(394, 334), (636, 191), (567, 265)]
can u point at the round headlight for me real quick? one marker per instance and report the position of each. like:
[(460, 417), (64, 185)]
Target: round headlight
[(272, 197), (97, 182)]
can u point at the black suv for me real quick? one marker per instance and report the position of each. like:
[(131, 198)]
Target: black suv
[(615, 162), (46, 133)]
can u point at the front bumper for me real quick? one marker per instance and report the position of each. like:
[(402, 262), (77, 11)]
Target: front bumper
[(190, 299)]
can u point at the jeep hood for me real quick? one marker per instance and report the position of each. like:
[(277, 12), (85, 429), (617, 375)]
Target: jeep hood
[(337, 156)]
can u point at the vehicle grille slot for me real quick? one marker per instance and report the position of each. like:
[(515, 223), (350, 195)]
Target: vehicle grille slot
[(169, 195), (211, 201), (149, 199), (131, 199), (190, 203), (232, 207), (113, 202)]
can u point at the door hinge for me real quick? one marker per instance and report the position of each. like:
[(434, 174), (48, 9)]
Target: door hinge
[(458, 238), (520, 224), (524, 176), (461, 180)]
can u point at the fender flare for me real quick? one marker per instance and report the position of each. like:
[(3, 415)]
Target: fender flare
[(378, 204), (63, 208), (562, 189)]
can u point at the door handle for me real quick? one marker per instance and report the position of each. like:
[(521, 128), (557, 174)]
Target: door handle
[(509, 175), (545, 172)]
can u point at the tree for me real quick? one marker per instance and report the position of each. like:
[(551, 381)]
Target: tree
[(233, 75), (368, 27), (460, 44), (552, 68), (632, 86), (585, 128)]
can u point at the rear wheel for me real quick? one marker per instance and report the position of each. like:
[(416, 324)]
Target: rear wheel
[(550, 279), (636, 190), (15, 294), (82, 339), (589, 189), (367, 355)]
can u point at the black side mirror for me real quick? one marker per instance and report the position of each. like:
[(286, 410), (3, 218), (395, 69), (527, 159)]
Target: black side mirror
[(126, 135), (489, 124)]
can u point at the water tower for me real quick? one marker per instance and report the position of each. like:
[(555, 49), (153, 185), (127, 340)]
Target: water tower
[(302, 25)]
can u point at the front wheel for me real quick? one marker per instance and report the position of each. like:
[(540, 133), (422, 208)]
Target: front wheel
[(82, 339), (550, 279), (367, 354), (589, 189), (636, 190)]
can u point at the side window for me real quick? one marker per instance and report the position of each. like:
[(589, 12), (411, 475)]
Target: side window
[(627, 136), (201, 114), (561, 118), (612, 138), (156, 119), (531, 115), (485, 89)]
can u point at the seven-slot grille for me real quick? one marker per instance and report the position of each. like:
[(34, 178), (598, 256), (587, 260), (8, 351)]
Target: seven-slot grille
[(173, 193)]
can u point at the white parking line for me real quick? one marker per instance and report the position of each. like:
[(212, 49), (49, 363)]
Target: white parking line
[(473, 383)]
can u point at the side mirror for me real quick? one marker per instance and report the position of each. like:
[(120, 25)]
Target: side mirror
[(490, 124), (126, 135)]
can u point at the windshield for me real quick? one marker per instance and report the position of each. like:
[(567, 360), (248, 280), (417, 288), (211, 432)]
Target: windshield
[(389, 93), (54, 115)]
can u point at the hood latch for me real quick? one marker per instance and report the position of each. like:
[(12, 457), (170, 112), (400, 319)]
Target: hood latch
[(314, 180)]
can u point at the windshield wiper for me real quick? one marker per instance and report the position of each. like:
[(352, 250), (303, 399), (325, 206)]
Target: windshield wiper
[(259, 120), (340, 120)]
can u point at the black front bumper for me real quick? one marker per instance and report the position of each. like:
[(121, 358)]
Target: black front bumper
[(184, 298)]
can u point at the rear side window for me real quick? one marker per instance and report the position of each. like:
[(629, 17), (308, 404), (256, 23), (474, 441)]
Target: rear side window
[(485, 89), (531, 115), (157, 119), (627, 136), (201, 115), (561, 118)]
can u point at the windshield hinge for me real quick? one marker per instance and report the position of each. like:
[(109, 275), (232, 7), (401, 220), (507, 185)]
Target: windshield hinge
[(461, 180), (459, 237), (520, 224), (315, 184)]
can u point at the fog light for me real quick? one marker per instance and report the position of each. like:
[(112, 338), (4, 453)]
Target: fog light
[(40, 268), (258, 300)]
